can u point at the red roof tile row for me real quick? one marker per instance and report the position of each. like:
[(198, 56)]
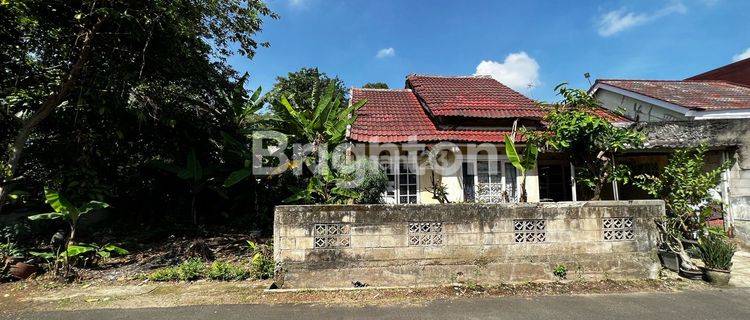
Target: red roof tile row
[(477, 96), (397, 116)]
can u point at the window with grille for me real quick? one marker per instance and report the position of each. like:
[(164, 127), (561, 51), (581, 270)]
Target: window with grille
[(403, 186), (488, 181)]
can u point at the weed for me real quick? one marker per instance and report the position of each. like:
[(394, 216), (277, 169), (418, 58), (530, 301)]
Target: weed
[(226, 271), (190, 270), (262, 264), (561, 271), (164, 274)]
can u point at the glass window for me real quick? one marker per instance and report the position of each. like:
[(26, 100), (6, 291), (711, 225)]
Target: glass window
[(402, 183)]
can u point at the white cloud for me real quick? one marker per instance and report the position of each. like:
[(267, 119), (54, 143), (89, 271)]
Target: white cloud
[(615, 21), (385, 53), (518, 71), (741, 56)]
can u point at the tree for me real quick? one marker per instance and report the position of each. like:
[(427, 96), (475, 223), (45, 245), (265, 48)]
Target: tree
[(322, 124), (590, 141), (685, 186), (375, 85), (303, 89), (93, 90)]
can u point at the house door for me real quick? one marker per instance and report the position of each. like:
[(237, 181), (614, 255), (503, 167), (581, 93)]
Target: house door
[(554, 182)]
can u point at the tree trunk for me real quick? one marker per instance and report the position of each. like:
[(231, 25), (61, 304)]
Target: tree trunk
[(50, 104), (523, 197)]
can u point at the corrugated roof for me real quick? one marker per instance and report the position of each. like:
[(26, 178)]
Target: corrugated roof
[(701, 95)]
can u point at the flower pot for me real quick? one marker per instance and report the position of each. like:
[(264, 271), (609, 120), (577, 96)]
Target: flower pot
[(717, 277), (669, 260), (22, 270)]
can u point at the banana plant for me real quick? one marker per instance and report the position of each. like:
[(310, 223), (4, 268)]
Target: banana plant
[(326, 124), (244, 114), (65, 210), (522, 164)]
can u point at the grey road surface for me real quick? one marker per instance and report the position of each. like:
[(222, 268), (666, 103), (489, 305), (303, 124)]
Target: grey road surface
[(714, 304)]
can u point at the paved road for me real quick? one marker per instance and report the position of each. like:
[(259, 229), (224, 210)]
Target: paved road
[(715, 304)]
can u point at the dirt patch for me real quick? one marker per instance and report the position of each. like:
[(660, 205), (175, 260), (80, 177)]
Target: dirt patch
[(38, 296)]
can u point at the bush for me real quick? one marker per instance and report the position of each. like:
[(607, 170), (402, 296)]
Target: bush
[(189, 270), (195, 269), (164, 274), (373, 185), (225, 271), (717, 253), (262, 264)]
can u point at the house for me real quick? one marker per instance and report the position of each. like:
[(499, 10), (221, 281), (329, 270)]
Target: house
[(470, 113), (712, 108)]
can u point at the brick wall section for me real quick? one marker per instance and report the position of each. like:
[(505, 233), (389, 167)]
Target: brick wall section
[(404, 245)]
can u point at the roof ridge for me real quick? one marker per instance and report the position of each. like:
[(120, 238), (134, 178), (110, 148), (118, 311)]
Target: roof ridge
[(382, 89), (685, 80), (476, 76)]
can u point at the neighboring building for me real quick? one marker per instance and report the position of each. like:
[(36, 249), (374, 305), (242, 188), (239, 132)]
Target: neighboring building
[(712, 108), (466, 111)]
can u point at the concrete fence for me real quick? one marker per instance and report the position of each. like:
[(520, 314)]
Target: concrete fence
[(410, 245)]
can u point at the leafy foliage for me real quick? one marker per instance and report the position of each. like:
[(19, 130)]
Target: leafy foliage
[(561, 271), (717, 252), (130, 98), (226, 271), (324, 126), (522, 164), (590, 140), (303, 88), (375, 85), (684, 184), (262, 263)]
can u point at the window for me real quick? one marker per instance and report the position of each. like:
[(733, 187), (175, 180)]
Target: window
[(488, 182), (402, 182)]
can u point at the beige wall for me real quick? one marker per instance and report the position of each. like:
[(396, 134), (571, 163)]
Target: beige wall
[(454, 184), (636, 109)]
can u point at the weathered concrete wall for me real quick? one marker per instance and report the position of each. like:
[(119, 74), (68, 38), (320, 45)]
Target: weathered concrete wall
[(387, 245)]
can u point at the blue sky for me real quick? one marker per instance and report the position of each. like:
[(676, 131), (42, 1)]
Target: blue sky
[(528, 45)]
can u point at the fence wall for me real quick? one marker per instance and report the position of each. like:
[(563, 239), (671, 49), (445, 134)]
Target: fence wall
[(409, 245)]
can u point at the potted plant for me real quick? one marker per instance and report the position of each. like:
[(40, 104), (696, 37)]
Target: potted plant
[(717, 253)]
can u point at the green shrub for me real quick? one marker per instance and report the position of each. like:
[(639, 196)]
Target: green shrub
[(717, 253), (190, 270), (225, 271), (164, 274), (262, 264), (561, 271)]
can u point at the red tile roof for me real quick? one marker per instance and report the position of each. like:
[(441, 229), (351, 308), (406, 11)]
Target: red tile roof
[(397, 116), (692, 94), (473, 96)]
